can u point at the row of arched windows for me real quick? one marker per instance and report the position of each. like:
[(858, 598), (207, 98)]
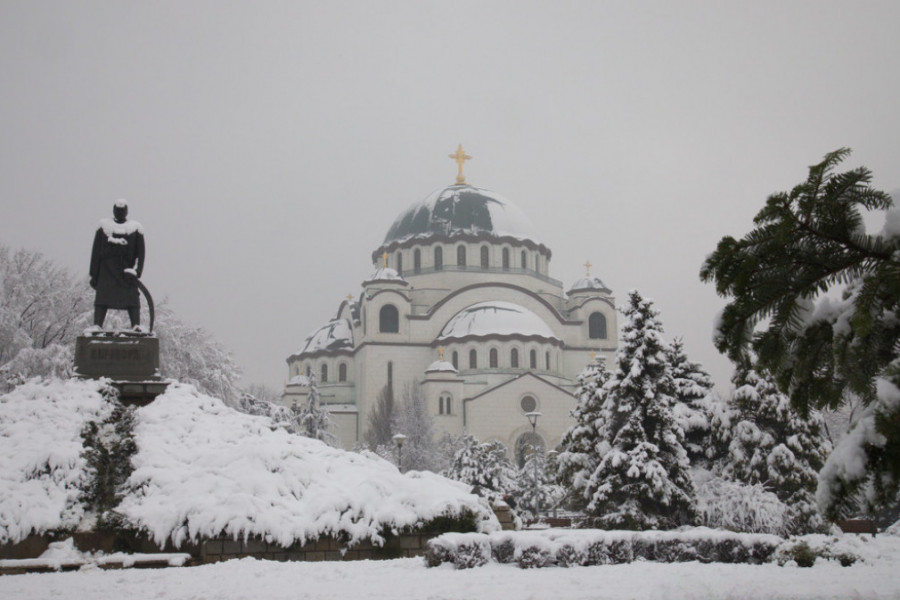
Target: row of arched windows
[(494, 359), (323, 372), (462, 261)]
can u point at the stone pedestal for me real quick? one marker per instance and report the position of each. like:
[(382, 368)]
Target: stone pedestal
[(130, 360)]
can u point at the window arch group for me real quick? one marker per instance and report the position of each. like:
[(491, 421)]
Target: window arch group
[(389, 319)]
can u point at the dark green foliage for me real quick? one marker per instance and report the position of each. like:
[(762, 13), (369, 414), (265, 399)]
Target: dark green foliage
[(818, 349), (464, 522), (108, 449)]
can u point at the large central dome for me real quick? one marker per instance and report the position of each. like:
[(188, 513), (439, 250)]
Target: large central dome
[(460, 210)]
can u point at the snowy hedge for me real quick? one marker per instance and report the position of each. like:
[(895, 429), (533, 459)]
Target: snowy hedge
[(202, 469), (530, 549)]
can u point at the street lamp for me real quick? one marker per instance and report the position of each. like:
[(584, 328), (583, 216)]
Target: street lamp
[(532, 418), (399, 439)]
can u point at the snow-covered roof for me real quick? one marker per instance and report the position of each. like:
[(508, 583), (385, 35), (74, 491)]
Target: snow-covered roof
[(592, 284), (335, 335), (299, 380), (441, 366), (385, 274), (459, 210), (495, 318)]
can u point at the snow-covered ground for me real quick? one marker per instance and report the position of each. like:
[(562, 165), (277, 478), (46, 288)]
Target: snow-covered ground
[(410, 578)]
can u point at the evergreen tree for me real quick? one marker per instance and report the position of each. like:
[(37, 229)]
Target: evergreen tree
[(535, 491), (691, 387), (579, 449), (642, 480), (312, 418), (484, 466), (781, 319), (771, 444)]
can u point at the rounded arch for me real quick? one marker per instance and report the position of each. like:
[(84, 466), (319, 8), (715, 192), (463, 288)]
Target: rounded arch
[(485, 257), (461, 256), (438, 258), (597, 326), (389, 319), (493, 358), (514, 358)]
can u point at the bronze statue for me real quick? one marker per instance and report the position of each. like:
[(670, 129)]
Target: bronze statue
[(117, 261)]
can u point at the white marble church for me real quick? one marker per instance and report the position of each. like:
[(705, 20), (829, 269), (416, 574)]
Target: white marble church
[(460, 300)]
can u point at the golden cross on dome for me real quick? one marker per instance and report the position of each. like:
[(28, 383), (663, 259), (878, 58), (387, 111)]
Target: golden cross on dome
[(441, 352), (460, 157), (593, 357), (588, 266), (350, 297), (384, 258)]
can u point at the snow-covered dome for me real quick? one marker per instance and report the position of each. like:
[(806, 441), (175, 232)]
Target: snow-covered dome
[(494, 318), (461, 210), (441, 366), (385, 274), (335, 335), (589, 284)]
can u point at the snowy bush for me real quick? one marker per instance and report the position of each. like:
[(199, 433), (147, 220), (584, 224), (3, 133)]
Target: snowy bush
[(44, 470), (737, 506), (567, 548), (201, 470)]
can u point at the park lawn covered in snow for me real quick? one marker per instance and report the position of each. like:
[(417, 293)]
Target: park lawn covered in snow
[(202, 469), (410, 578)]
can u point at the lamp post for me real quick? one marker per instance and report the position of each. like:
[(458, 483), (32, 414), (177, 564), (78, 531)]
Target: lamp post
[(532, 418), (399, 439)]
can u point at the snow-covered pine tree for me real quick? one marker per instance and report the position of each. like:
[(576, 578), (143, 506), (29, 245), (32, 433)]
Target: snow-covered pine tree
[(770, 443), (484, 466), (643, 479), (691, 389), (312, 418), (579, 449), (535, 491)]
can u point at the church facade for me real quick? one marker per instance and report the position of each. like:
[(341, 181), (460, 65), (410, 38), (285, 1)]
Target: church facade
[(461, 300)]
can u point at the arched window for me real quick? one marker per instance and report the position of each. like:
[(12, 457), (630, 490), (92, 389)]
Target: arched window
[(492, 356), (524, 260), (485, 262), (445, 406), (455, 360), (473, 359), (506, 259), (532, 359), (324, 377), (417, 261), (597, 326), (441, 405), (399, 263), (514, 358), (388, 319), (342, 372), (308, 370), (547, 360), (390, 374), (438, 258), (461, 256)]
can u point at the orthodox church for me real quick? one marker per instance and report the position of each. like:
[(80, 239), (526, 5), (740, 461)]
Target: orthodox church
[(461, 301)]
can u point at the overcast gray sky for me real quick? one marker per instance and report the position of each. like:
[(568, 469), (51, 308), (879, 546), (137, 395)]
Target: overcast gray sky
[(266, 147)]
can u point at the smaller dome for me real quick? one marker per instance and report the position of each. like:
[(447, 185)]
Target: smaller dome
[(487, 319), (441, 366), (336, 335), (385, 274), (589, 284)]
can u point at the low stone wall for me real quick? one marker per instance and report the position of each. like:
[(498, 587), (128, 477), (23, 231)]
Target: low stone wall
[(401, 546)]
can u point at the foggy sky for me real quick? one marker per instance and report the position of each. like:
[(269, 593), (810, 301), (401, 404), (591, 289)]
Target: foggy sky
[(267, 147)]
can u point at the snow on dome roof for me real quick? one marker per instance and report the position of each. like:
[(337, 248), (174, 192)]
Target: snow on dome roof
[(495, 318), (590, 284), (335, 335), (461, 209), (441, 366), (385, 274)]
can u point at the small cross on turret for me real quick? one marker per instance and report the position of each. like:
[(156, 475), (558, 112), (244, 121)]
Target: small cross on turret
[(588, 266)]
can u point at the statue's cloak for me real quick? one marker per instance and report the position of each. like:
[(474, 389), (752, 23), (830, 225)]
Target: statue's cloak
[(117, 247)]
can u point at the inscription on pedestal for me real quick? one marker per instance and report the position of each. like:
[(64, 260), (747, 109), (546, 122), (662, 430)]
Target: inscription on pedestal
[(120, 358)]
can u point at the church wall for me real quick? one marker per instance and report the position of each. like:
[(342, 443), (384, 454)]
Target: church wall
[(499, 415)]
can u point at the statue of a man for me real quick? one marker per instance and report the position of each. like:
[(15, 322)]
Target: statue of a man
[(117, 261)]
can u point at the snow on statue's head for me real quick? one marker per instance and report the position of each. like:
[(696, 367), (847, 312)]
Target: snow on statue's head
[(120, 211)]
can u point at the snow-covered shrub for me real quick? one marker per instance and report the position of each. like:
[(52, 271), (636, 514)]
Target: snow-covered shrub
[(44, 470), (463, 550), (739, 506), (805, 550)]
